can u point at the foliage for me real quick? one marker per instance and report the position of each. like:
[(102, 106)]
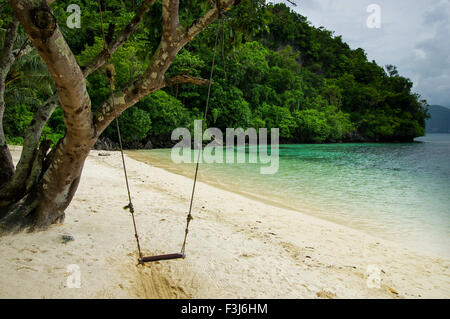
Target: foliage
[(276, 70), (166, 113), (134, 125)]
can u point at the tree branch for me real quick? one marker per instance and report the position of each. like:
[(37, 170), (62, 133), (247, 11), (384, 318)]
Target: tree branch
[(292, 2), (207, 19), (185, 78), (170, 19), (119, 40), (153, 79), (40, 24)]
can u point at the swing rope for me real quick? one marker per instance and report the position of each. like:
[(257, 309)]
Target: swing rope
[(110, 72), (189, 216)]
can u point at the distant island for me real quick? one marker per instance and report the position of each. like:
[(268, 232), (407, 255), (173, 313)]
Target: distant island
[(439, 121)]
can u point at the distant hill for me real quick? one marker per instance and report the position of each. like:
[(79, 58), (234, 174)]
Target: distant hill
[(439, 121)]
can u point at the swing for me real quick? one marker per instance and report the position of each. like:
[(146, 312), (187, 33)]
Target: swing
[(110, 72)]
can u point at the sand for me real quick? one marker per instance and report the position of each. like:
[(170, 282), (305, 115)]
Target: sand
[(238, 247)]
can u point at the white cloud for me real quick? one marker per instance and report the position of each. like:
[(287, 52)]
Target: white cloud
[(420, 54)]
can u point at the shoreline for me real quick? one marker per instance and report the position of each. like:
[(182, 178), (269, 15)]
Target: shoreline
[(238, 247), (109, 146), (311, 211)]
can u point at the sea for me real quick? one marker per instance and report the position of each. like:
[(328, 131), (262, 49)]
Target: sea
[(400, 192)]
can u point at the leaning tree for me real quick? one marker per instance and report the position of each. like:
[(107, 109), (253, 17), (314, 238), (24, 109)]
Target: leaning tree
[(36, 192)]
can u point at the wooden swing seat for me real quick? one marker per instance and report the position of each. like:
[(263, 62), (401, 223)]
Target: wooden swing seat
[(150, 259)]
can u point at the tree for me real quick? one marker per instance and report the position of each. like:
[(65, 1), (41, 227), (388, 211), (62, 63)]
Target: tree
[(37, 192), (273, 69), (6, 60)]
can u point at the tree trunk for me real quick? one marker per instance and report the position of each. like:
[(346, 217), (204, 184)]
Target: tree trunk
[(44, 184), (57, 175), (17, 184), (6, 60), (15, 188), (53, 181), (6, 164)]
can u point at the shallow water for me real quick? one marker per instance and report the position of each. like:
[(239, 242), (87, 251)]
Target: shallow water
[(396, 191)]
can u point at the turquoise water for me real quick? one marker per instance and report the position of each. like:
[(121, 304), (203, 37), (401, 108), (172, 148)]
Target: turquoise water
[(396, 191)]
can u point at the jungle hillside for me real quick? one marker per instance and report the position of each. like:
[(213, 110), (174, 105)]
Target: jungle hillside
[(273, 70)]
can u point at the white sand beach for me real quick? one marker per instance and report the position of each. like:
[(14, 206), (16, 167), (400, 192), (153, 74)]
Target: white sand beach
[(237, 247)]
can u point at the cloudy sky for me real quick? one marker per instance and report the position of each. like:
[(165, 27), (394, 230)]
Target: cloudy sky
[(414, 35)]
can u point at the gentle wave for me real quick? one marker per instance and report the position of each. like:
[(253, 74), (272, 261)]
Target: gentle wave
[(396, 191)]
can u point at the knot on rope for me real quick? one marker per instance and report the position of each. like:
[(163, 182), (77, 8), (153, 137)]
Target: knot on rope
[(107, 53), (110, 74), (221, 13), (110, 71), (129, 207)]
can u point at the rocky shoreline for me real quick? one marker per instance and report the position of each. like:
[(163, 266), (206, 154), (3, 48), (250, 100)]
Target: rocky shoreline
[(106, 144)]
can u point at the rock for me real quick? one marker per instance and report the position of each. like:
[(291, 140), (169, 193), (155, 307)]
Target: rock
[(105, 144), (163, 140), (66, 238), (326, 294), (393, 291), (135, 145), (148, 145)]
